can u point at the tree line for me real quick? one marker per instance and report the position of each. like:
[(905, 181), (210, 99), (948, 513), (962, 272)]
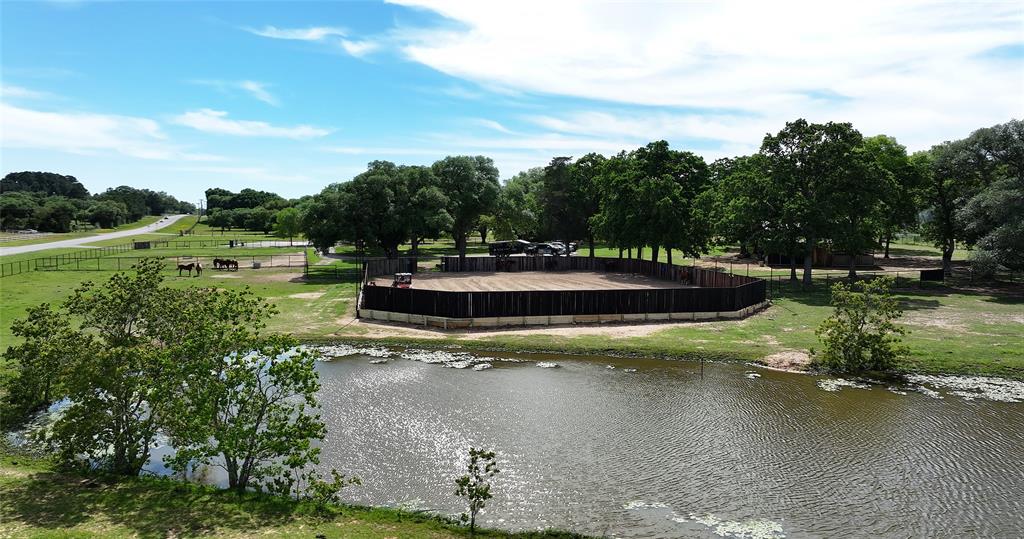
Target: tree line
[(52, 202), (809, 186)]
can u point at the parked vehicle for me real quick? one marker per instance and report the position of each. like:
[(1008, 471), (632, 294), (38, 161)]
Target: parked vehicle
[(402, 280), (506, 248)]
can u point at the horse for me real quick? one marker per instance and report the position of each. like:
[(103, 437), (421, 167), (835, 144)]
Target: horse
[(199, 269), (187, 267), (230, 264), (217, 263)]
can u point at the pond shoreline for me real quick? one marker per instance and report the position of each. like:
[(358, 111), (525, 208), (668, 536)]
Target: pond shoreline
[(793, 361)]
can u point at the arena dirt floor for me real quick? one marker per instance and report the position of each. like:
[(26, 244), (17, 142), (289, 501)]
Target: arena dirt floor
[(531, 280)]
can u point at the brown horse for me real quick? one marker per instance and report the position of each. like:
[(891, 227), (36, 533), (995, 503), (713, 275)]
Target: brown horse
[(186, 267), (217, 263), (230, 264)]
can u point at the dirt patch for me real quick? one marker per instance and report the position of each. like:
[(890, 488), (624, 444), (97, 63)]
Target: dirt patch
[(307, 295), (226, 276), (533, 280), (790, 360)]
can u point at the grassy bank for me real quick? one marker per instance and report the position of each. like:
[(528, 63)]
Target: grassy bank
[(37, 501)]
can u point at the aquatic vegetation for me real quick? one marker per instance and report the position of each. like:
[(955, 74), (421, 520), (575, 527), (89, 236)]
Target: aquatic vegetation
[(329, 352), (482, 367), (975, 387), (547, 364), (641, 504), (835, 384)]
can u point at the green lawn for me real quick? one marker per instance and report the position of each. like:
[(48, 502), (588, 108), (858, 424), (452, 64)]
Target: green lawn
[(148, 220), (961, 330), (38, 502)]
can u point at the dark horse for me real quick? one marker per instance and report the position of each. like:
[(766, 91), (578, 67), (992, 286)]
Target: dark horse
[(186, 267), (225, 263), (199, 269)]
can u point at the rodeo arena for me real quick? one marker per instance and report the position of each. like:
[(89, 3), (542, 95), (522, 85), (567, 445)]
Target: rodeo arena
[(523, 284)]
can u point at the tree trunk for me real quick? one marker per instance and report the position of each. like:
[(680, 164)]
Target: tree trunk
[(415, 246), (483, 234), (620, 253), (853, 267), (460, 244), (290, 241), (808, 261), (668, 255), (629, 253), (590, 240), (887, 240), (640, 253), (792, 268), (947, 260), (744, 252), (654, 253), (232, 467)]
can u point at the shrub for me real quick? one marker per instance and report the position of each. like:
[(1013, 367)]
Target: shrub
[(861, 334)]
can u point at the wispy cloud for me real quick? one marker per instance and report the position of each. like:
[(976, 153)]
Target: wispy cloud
[(259, 91), (8, 91), (493, 125), (255, 89), (216, 121), (88, 133), (315, 33), (359, 49)]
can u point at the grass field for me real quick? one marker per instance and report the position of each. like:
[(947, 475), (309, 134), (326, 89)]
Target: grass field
[(148, 220), (966, 329), (39, 502)]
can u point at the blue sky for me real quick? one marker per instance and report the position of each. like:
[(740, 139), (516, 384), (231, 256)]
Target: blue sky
[(290, 97)]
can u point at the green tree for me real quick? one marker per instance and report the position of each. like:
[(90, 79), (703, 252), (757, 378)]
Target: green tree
[(993, 219), (427, 211), (257, 416), (810, 168), (861, 334), (740, 205), (117, 387), (41, 362), (475, 486), (901, 181), (55, 215), (107, 214), (17, 210), (287, 223), (46, 183), (220, 218), (471, 184), (518, 210)]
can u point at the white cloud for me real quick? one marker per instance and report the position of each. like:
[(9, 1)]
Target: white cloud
[(908, 69), (88, 133), (491, 124), (315, 33), (359, 49), (255, 89), (216, 121), (8, 91), (259, 91)]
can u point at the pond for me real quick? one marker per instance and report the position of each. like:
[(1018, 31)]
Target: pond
[(649, 448)]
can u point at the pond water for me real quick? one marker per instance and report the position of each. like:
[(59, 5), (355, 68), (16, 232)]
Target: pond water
[(662, 452)]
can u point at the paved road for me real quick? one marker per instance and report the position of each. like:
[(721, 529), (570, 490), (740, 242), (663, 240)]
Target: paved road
[(148, 229)]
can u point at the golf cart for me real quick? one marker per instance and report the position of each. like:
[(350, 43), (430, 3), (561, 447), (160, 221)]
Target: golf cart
[(402, 280)]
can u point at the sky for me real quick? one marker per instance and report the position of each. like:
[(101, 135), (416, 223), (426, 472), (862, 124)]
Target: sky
[(290, 96)]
